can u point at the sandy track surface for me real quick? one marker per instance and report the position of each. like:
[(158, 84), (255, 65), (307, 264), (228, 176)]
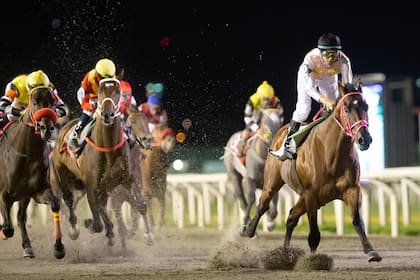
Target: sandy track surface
[(189, 253)]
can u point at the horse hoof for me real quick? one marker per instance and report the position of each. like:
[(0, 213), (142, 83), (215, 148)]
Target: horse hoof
[(270, 225), (110, 242), (373, 256), (244, 232), (149, 239), (28, 253), (74, 232), (59, 251)]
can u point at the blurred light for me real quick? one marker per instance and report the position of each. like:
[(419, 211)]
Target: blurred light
[(178, 164), (180, 137)]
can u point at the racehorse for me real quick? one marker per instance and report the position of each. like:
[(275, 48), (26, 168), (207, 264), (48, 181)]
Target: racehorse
[(103, 165), (138, 122), (326, 168), (246, 178), (154, 171), (24, 165)]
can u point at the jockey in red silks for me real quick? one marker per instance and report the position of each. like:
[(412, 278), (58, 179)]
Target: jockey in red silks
[(154, 111), (127, 98), (87, 95)]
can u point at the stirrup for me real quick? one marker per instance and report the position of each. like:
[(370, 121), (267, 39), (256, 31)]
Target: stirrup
[(282, 154)]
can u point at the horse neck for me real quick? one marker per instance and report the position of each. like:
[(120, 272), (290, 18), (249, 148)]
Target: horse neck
[(335, 142), (24, 139), (259, 146)]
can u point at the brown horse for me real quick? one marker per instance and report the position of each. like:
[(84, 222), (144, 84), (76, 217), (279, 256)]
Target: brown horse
[(24, 165), (138, 122), (327, 168), (103, 165), (246, 178), (154, 171)]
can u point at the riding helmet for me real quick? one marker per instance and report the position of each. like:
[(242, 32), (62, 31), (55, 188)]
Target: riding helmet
[(105, 68), (265, 90), (329, 41), (36, 79)]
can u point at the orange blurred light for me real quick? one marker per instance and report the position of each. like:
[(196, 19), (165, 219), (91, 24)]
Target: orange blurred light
[(180, 137)]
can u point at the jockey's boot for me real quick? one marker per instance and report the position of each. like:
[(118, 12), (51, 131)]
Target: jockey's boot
[(287, 151)]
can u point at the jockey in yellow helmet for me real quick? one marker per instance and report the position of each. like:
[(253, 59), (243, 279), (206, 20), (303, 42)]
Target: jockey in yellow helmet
[(263, 98), (87, 95), (16, 96)]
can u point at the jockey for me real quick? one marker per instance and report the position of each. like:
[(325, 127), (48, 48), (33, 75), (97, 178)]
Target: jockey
[(87, 95), (263, 98), (16, 96), (317, 79), (128, 99), (154, 111)]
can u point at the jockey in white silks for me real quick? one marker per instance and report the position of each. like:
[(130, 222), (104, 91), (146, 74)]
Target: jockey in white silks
[(317, 79)]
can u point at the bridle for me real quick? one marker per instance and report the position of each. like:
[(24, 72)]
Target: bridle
[(349, 129), (36, 116), (115, 105)]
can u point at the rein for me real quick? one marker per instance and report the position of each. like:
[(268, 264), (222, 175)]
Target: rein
[(348, 128)]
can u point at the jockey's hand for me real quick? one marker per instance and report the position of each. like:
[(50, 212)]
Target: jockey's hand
[(254, 127), (329, 104)]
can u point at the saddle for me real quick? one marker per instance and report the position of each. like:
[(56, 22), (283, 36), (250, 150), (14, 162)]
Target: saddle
[(300, 136)]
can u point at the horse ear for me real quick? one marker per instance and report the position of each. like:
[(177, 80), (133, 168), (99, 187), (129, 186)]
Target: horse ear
[(359, 84), (120, 76)]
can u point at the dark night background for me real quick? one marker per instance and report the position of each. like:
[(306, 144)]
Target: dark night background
[(209, 70)]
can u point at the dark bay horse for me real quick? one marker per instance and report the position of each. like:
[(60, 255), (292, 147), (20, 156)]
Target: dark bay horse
[(245, 179), (24, 163), (103, 165), (327, 168)]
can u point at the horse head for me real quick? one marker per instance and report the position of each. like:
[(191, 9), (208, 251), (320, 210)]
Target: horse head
[(138, 122), (271, 120), (109, 99), (164, 138), (41, 111), (351, 114)]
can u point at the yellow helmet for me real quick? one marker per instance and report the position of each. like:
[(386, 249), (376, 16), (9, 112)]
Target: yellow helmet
[(265, 90), (105, 68), (36, 79)]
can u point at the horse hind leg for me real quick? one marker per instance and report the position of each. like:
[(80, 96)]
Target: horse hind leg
[(272, 212), (6, 229), (21, 218)]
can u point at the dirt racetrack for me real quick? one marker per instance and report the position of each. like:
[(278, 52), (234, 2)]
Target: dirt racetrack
[(188, 254)]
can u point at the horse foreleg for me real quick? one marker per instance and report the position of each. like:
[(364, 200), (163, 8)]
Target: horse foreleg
[(109, 227), (162, 206), (6, 229), (314, 235), (54, 202), (21, 218), (295, 213), (250, 188), (94, 224), (235, 180), (122, 230), (353, 199)]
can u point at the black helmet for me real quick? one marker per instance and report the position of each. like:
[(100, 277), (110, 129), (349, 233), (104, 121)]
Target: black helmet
[(329, 41)]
